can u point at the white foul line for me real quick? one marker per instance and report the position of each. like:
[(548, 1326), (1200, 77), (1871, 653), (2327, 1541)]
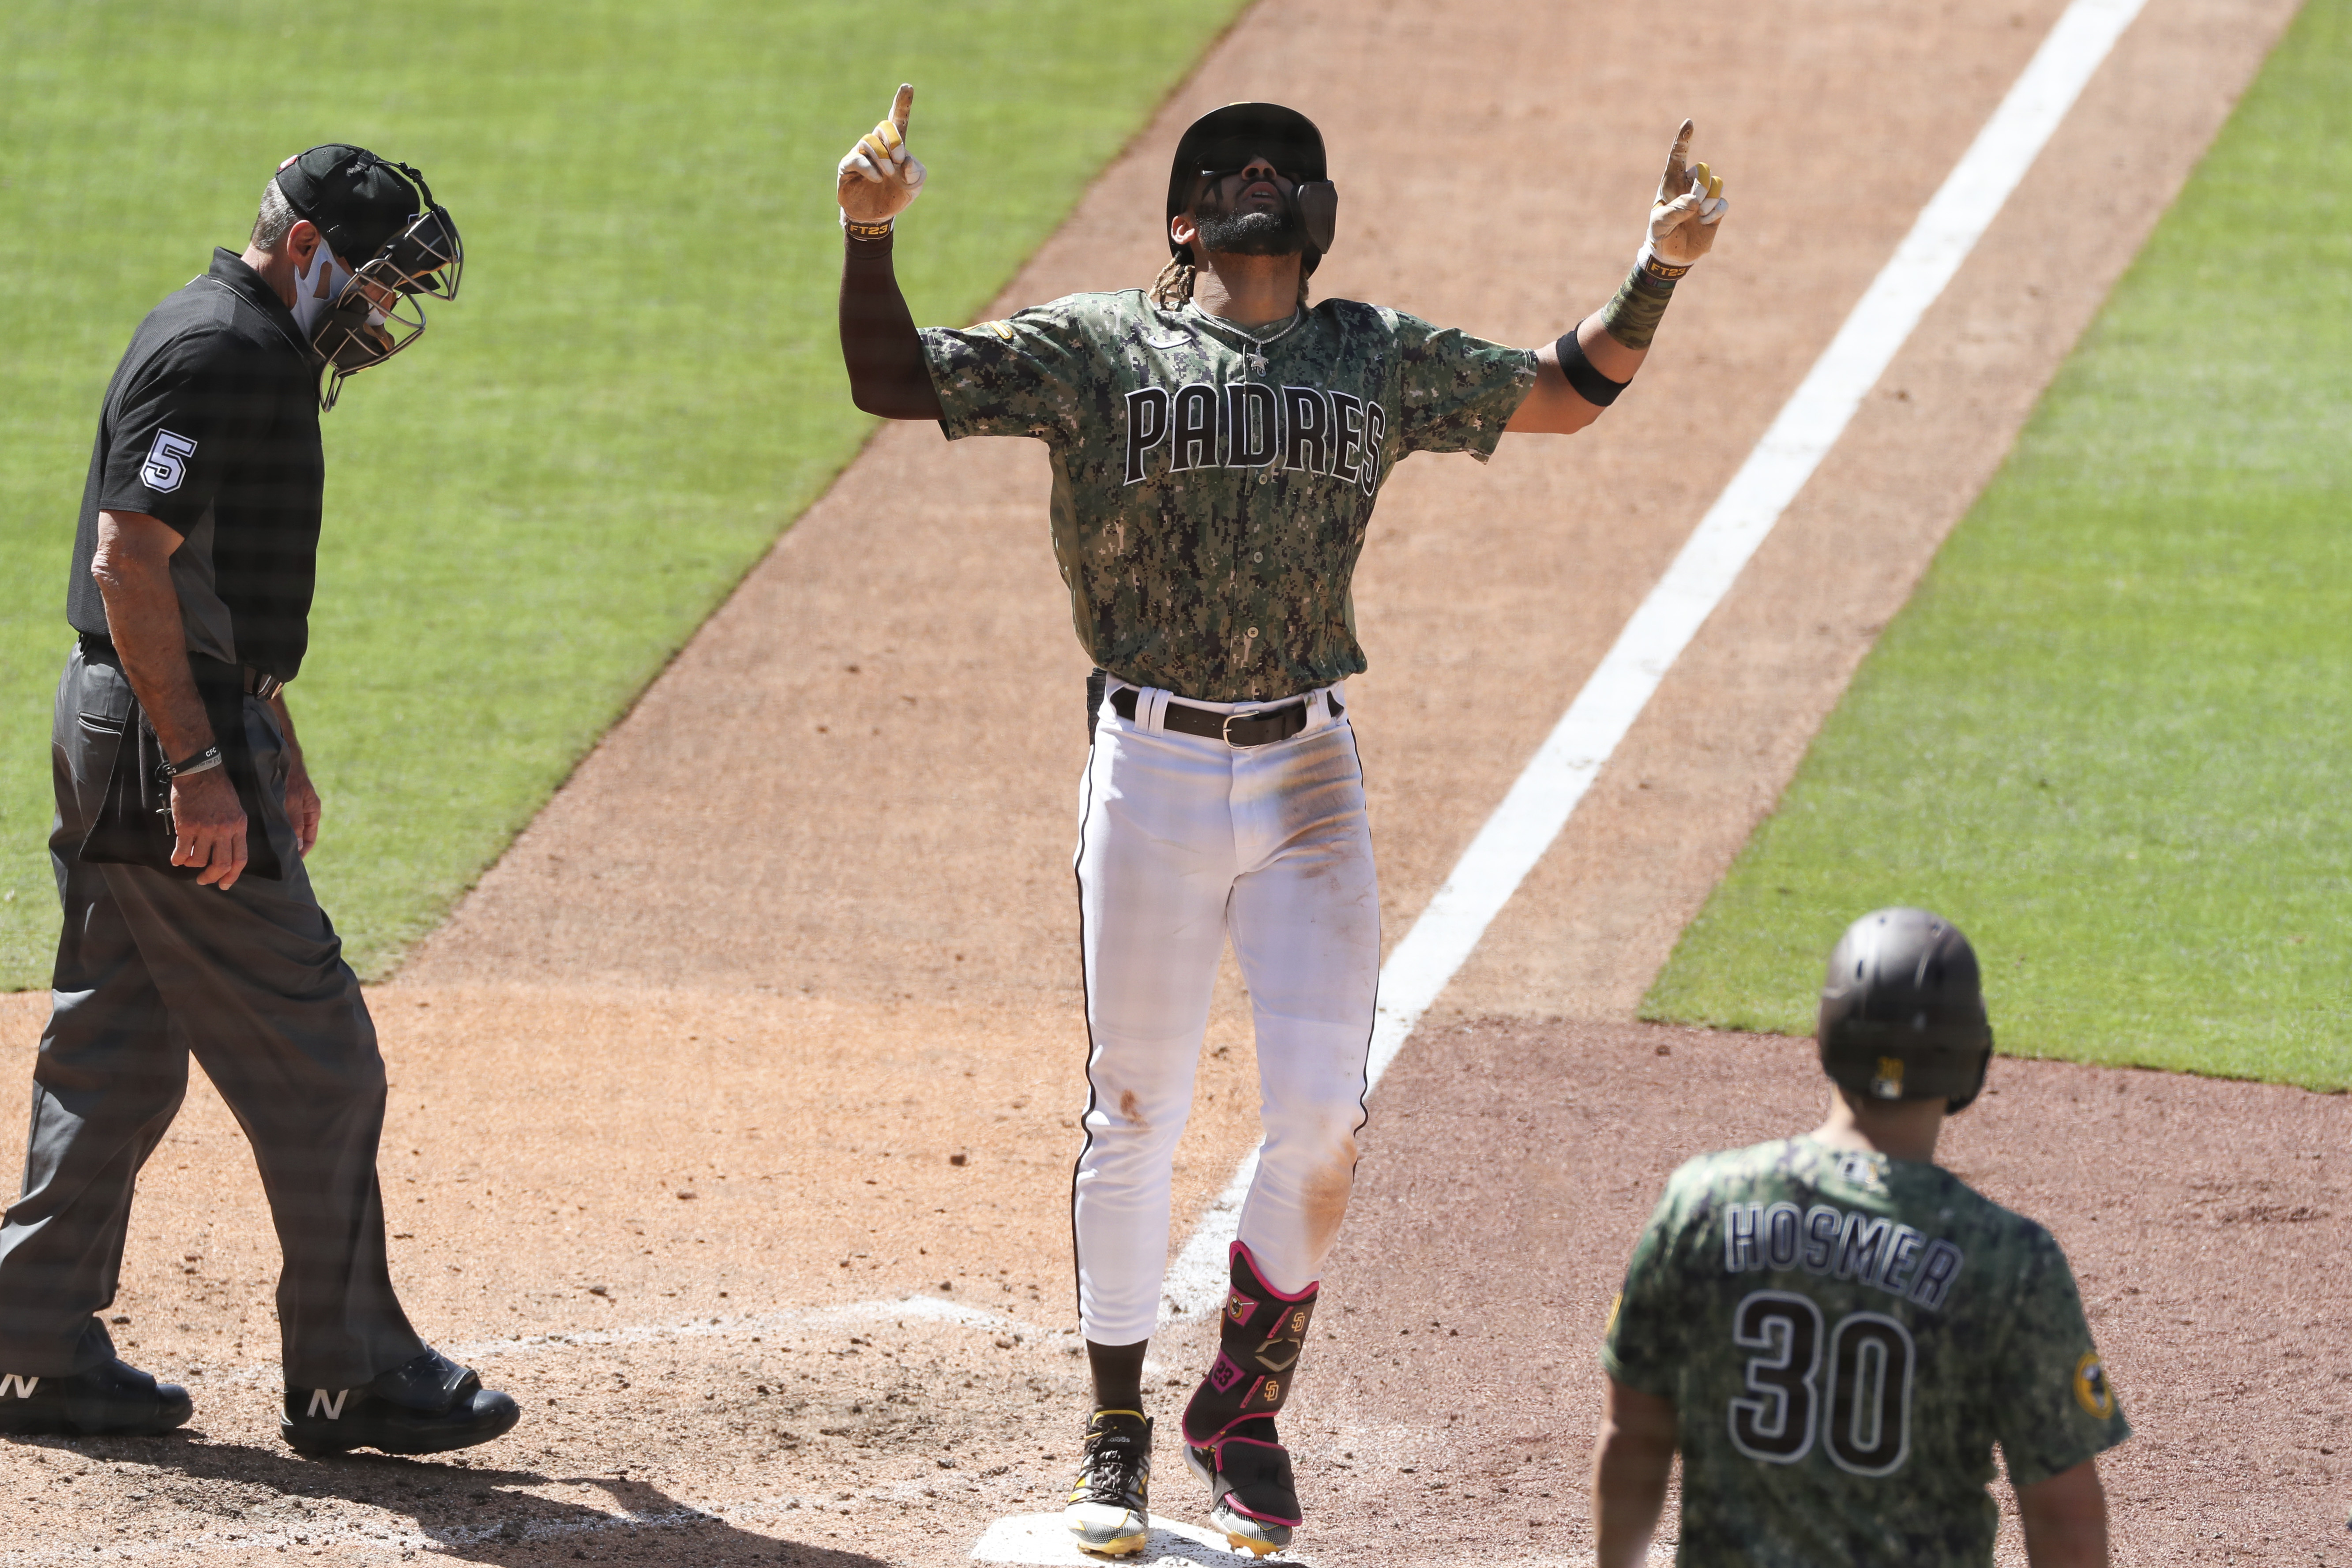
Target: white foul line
[(1523, 827)]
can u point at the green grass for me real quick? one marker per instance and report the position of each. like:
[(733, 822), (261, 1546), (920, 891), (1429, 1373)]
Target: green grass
[(529, 513), (2109, 737)]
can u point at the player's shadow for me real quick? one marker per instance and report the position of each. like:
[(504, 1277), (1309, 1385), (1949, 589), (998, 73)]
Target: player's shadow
[(468, 1513)]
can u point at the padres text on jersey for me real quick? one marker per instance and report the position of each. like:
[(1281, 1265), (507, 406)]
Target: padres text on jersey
[(1211, 489)]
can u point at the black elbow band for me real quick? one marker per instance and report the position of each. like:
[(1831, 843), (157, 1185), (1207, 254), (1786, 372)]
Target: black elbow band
[(1589, 384)]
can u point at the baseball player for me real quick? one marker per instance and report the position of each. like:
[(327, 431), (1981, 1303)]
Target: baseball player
[(1835, 1332), (1218, 442), (183, 813)]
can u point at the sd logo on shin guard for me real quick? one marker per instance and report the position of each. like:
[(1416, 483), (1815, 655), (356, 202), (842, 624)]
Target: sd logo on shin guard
[(1287, 1339)]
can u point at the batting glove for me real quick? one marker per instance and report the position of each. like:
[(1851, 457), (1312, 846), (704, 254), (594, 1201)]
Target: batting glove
[(879, 179), (1689, 205)]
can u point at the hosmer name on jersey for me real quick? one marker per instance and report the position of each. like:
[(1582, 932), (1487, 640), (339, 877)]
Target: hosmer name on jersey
[(1841, 1244), (1250, 425)]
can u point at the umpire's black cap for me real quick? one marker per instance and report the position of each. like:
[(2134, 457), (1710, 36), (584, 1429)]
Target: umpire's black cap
[(357, 200), (1224, 138), (1903, 1013)]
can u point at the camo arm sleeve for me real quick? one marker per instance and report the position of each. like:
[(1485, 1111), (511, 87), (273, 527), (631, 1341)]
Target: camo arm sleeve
[(1643, 1347), (1456, 391), (1029, 374), (2055, 1405)]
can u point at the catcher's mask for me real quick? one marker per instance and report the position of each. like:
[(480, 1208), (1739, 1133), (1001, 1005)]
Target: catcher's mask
[(1225, 139), (1903, 1013), (381, 219)]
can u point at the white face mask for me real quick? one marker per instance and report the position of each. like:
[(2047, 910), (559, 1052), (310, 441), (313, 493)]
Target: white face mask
[(315, 288)]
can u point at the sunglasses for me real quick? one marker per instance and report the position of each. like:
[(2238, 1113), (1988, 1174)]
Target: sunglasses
[(1226, 159), (1218, 176)]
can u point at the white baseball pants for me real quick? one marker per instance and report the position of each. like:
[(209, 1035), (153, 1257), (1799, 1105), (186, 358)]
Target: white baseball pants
[(1183, 842)]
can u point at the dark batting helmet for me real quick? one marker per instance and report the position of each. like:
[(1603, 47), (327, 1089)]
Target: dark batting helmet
[(1221, 141), (1903, 1013)]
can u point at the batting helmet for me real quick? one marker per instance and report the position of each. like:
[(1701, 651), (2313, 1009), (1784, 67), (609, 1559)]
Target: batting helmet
[(1223, 140), (1903, 1013)]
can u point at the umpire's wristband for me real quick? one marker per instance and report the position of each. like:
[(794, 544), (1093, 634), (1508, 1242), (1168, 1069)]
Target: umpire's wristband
[(202, 762), (1589, 384)]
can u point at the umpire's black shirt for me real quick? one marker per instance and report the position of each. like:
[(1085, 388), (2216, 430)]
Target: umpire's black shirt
[(211, 424)]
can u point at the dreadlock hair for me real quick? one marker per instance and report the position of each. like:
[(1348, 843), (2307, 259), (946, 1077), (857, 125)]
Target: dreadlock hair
[(1173, 288)]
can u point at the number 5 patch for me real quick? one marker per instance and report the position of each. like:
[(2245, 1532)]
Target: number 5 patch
[(166, 468)]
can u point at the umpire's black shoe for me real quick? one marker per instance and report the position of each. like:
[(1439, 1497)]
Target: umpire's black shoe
[(426, 1405), (112, 1399)]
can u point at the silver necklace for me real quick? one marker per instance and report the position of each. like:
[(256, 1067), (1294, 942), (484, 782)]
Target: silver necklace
[(1255, 356)]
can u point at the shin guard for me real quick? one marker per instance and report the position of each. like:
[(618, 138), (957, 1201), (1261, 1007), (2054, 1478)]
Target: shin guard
[(1258, 1345)]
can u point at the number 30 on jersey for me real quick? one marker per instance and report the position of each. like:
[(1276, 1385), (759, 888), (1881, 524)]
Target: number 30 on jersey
[(1859, 1375)]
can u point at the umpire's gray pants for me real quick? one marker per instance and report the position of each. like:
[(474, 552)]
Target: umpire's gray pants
[(150, 968)]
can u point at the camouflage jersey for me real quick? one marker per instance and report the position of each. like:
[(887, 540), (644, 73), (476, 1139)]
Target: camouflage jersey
[(1211, 489), (1845, 1337)]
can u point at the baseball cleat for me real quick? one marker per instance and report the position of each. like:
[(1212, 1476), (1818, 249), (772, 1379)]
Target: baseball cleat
[(426, 1405), (1109, 1508), (1253, 1496), (112, 1399)]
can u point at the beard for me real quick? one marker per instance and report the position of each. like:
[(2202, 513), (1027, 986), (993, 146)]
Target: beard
[(1252, 234)]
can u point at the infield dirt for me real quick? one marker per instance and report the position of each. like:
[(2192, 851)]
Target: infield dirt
[(732, 1112)]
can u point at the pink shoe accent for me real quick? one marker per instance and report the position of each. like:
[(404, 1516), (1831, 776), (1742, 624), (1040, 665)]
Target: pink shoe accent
[(1249, 1258), (1233, 1501)]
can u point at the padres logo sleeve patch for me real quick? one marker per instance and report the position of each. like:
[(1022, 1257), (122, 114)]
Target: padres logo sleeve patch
[(2091, 1389)]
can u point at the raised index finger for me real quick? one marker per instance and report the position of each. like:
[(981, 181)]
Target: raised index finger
[(1676, 179), (902, 106)]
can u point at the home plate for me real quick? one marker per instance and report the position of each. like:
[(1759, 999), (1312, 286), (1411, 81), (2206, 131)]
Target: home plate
[(1044, 1538)]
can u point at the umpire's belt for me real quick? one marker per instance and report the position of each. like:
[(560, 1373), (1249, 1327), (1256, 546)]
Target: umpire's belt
[(258, 683), (1261, 729)]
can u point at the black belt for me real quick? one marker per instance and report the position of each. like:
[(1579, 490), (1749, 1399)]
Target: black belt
[(258, 683), (1233, 728)]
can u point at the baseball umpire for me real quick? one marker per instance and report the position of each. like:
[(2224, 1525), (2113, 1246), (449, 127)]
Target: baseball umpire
[(183, 813), (1218, 445), (1835, 1332)]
